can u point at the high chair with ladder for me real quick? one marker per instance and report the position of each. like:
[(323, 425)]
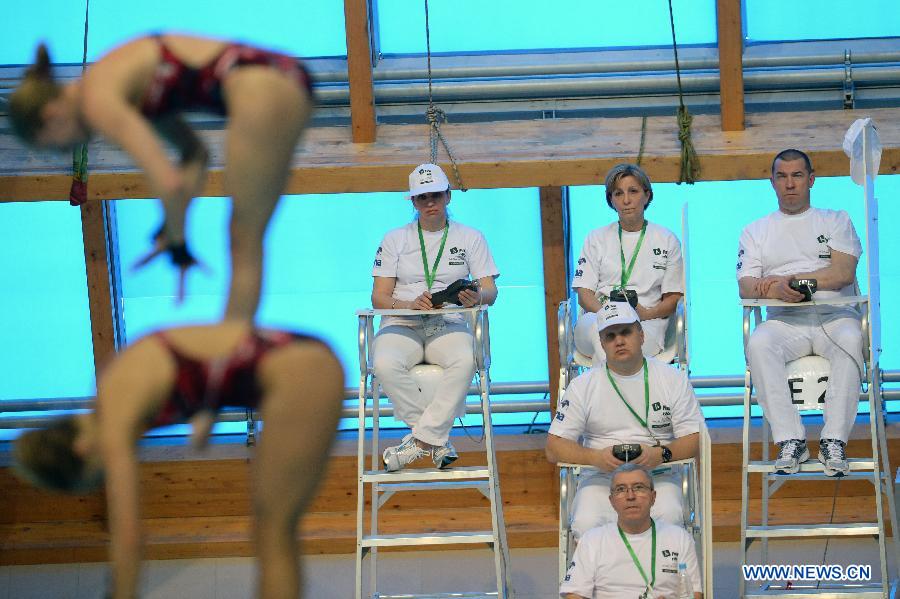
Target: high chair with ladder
[(383, 485)]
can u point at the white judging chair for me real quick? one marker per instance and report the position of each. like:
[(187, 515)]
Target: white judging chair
[(384, 484), (807, 378), (696, 486)]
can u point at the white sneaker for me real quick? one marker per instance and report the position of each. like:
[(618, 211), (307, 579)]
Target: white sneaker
[(833, 457), (398, 456), (793, 453), (444, 455)]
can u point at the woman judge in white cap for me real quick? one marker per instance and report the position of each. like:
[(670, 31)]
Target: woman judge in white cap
[(413, 262)]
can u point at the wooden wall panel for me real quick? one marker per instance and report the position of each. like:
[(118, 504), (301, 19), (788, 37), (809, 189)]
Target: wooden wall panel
[(201, 508)]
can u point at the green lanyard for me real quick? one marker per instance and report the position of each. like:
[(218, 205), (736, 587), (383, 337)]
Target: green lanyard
[(646, 396), (429, 276), (637, 562), (626, 273)]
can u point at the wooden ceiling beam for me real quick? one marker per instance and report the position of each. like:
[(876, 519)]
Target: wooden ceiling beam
[(538, 153), (359, 71), (731, 69), (556, 282)]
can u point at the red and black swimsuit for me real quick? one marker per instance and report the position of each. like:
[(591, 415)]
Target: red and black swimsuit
[(176, 86), (213, 384)]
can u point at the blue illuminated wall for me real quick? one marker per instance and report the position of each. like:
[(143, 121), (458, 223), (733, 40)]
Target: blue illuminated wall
[(717, 213), (506, 25), (320, 247), (298, 28), (319, 252), (318, 263), (46, 348)]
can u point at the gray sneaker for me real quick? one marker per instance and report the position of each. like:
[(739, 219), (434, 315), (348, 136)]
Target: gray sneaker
[(444, 455), (402, 455), (793, 453), (832, 456)]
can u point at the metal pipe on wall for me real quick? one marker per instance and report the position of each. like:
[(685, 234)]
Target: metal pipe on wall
[(350, 411)]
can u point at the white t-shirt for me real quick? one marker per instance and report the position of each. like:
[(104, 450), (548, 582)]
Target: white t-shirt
[(786, 244), (591, 410), (602, 568), (657, 270), (466, 254)]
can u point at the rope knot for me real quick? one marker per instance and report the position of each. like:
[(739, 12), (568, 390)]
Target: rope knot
[(435, 115)]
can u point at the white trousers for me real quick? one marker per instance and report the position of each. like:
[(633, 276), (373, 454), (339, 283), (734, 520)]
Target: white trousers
[(776, 342), (397, 349), (587, 338), (592, 507)]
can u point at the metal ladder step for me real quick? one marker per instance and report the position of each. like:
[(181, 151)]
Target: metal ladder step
[(856, 465), (806, 476), (438, 485), (856, 529), (425, 474), (433, 538), (420, 532), (438, 596), (866, 591)]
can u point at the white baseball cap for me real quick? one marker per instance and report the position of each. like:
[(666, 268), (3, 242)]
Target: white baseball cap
[(427, 178), (613, 313)]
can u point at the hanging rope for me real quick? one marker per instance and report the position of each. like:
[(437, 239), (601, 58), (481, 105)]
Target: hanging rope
[(640, 155), (690, 165), (78, 190), (435, 116)]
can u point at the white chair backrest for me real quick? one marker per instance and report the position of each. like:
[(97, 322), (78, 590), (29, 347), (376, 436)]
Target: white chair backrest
[(582, 337), (671, 342), (582, 350), (807, 378)]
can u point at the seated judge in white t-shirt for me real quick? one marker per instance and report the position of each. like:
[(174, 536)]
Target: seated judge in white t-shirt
[(636, 556), (800, 241), (630, 399), (633, 254), (413, 262)]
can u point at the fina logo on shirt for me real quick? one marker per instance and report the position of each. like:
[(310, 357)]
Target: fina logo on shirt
[(560, 416), (569, 576), (457, 256), (378, 253), (826, 253), (665, 255)]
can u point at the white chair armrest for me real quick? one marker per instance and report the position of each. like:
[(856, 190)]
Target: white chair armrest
[(453, 310), (834, 301)]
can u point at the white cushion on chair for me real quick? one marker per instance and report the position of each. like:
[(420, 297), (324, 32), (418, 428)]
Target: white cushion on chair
[(427, 377), (585, 331), (807, 378)]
